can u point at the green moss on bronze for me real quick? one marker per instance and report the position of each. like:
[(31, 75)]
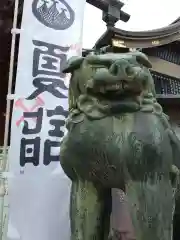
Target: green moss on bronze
[(118, 138)]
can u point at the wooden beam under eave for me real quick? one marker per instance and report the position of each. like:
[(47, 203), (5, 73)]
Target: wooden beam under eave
[(164, 67)]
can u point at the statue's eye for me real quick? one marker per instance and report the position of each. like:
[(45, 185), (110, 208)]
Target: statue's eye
[(129, 71)]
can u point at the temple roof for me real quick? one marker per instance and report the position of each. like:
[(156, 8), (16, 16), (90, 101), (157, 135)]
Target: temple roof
[(141, 39), (151, 42)]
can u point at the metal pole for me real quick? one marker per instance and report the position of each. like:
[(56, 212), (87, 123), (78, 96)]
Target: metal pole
[(7, 118)]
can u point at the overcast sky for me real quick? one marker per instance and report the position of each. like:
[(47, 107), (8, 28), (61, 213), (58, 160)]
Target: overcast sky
[(145, 15)]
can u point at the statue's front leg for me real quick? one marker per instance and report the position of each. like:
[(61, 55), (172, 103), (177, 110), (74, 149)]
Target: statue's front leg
[(151, 206), (88, 213), (121, 223)]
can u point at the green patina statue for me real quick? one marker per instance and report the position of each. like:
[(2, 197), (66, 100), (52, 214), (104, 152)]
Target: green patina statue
[(118, 139)]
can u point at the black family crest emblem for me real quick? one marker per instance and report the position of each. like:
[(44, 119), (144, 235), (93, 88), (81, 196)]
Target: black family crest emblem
[(56, 14)]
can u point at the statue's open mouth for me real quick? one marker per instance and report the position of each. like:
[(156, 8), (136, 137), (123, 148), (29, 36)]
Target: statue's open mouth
[(119, 79), (116, 89)]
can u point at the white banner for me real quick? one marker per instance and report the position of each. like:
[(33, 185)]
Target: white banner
[(39, 191)]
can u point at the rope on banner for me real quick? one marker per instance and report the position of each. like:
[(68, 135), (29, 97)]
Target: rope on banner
[(7, 118)]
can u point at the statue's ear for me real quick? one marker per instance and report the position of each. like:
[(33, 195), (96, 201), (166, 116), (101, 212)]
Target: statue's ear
[(72, 64), (141, 58)]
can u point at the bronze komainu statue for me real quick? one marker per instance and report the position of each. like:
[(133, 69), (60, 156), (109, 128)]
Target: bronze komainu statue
[(118, 139)]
